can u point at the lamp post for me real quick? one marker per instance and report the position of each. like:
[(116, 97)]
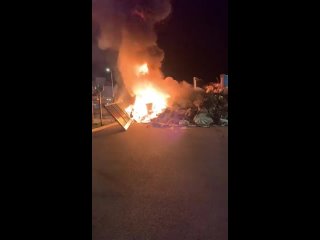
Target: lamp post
[(108, 70), (100, 103), (100, 107)]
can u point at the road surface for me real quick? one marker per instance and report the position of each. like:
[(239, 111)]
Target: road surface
[(159, 184)]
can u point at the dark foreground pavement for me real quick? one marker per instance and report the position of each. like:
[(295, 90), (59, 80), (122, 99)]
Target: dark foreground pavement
[(159, 184)]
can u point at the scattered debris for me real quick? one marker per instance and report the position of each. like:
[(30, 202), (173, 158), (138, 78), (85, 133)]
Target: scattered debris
[(119, 115), (208, 110), (203, 119), (184, 122), (224, 122)]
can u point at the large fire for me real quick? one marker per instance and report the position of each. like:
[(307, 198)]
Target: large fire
[(149, 102)]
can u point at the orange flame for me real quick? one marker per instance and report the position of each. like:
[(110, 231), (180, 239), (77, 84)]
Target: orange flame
[(149, 102), (143, 69)]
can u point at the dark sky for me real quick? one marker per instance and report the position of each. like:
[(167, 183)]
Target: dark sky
[(195, 39)]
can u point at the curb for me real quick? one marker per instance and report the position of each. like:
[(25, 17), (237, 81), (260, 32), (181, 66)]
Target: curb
[(104, 127)]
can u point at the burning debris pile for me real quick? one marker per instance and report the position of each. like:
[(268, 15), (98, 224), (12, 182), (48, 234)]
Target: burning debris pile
[(200, 108), (207, 109)]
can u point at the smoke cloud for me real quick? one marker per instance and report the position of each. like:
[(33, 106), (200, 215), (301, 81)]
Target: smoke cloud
[(127, 26)]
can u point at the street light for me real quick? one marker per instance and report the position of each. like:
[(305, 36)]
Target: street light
[(109, 70)]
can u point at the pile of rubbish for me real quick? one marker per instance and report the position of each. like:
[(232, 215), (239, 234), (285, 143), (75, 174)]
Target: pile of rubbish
[(210, 108)]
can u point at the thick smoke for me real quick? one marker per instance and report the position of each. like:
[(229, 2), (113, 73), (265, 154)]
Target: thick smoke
[(128, 27)]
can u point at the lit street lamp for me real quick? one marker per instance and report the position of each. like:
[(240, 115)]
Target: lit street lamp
[(109, 70)]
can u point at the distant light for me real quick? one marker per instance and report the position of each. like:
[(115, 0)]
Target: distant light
[(108, 69)]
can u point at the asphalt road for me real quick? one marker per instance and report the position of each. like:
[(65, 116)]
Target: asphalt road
[(159, 184)]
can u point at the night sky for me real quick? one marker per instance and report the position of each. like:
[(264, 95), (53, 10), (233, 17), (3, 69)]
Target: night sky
[(195, 39)]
